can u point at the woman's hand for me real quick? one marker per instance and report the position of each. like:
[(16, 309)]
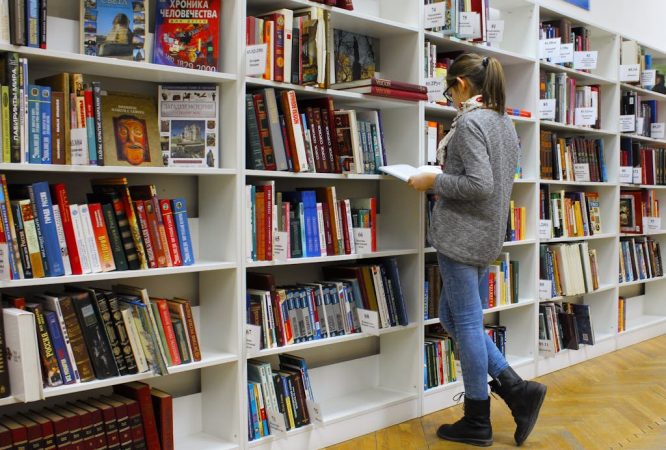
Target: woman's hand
[(422, 181)]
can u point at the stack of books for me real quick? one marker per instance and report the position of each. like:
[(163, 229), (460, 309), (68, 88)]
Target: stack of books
[(564, 326)]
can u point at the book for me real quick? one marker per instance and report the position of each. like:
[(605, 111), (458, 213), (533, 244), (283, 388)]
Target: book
[(25, 375), (187, 34), (41, 199), (5, 388), (129, 127), (141, 392), (189, 125), (391, 84), (163, 407), (79, 352), (390, 92), (183, 230), (356, 56), (50, 369), (404, 171), (110, 28)]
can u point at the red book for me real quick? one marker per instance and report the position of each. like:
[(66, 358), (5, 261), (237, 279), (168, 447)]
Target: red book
[(345, 4), (101, 237), (278, 45), (148, 192), (170, 335), (122, 419), (163, 406), (294, 126), (5, 438), (134, 415), (18, 432), (110, 423), (314, 139), (33, 431), (74, 424), (141, 393), (342, 208), (264, 132), (59, 195), (268, 211), (142, 219), (171, 233), (98, 433), (390, 92), (47, 431), (60, 427), (159, 249), (382, 82), (324, 144), (328, 121), (87, 429), (260, 220)]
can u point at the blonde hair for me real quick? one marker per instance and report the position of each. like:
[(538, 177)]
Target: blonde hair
[(486, 76)]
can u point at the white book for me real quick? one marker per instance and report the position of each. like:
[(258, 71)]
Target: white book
[(89, 237), (25, 373), (404, 171), (60, 231), (381, 297), (350, 226), (585, 256), (135, 342), (4, 22), (322, 232), (79, 235)]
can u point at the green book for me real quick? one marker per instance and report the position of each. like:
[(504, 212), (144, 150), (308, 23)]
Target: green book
[(160, 329), (181, 338)]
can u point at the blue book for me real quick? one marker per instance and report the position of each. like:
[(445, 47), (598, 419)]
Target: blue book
[(32, 20), (309, 199), (59, 347), (42, 200), (34, 126), (183, 230), (253, 410), (312, 300), (45, 123)]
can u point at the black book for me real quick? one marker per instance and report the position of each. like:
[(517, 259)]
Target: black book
[(282, 402), (101, 356), (584, 323), (391, 266), (121, 331), (567, 322), (17, 22), (5, 390), (43, 18), (22, 240), (254, 157)]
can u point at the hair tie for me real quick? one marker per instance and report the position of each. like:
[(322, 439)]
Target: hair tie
[(485, 62)]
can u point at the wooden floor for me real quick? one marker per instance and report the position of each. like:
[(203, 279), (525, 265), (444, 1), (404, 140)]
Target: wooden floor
[(617, 401)]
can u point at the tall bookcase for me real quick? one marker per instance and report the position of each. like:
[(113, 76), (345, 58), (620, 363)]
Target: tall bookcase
[(362, 382)]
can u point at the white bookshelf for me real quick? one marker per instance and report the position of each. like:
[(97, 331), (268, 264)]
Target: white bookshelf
[(210, 397)]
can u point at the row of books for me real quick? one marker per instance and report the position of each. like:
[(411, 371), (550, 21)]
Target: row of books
[(120, 228), (563, 29), (133, 416), (85, 334), (24, 23), (323, 309), (285, 393), (571, 214), (637, 207), (621, 314), (516, 223), (476, 11), (435, 65), (497, 334), (564, 326), (644, 112), (571, 158), (640, 259), (307, 223), (60, 119), (572, 269), (311, 135), (632, 53), (439, 358), (650, 161), (570, 98)]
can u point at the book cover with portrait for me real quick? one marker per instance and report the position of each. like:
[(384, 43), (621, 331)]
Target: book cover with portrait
[(114, 28), (130, 130), (187, 34)]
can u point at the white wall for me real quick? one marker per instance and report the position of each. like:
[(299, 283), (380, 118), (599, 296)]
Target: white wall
[(642, 20)]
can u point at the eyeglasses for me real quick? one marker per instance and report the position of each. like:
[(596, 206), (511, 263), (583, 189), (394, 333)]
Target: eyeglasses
[(447, 94)]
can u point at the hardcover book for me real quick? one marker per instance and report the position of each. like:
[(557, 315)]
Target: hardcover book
[(114, 28), (188, 117), (187, 34), (130, 131), (356, 56)]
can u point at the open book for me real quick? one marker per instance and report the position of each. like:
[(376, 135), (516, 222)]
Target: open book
[(405, 171)]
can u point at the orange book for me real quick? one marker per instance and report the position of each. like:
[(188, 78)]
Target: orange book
[(101, 237), (169, 334)]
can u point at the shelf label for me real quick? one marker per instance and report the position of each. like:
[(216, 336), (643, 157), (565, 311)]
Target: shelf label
[(255, 59), (638, 175), (585, 60), (363, 240), (648, 79), (626, 175), (651, 224), (79, 146), (586, 116), (566, 53), (436, 87), (276, 421), (252, 338), (547, 109), (545, 227), (280, 245), (495, 29), (435, 15), (466, 24), (369, 321), (545, 289), (627, 123), (640, 128), (630, 72), (314, 409), (657, 130), (582, 172), (549, 49)]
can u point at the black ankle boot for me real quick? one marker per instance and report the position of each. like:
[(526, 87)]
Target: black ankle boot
[(474, 428), (524, 399)]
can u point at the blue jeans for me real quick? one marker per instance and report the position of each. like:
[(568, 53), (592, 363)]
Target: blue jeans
[(461, 315)]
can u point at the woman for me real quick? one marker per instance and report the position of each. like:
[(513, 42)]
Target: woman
[(468, 225)]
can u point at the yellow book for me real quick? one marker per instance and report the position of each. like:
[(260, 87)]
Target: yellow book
[(512, 208), (523, 220), (580, 231)]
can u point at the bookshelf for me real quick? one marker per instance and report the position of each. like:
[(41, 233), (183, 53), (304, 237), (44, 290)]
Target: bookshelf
[(209, 396)]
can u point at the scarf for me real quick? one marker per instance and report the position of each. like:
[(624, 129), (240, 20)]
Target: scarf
[(468, 105)]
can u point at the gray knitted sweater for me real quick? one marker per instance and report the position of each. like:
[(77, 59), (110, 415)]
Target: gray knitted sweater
[(469, 218)]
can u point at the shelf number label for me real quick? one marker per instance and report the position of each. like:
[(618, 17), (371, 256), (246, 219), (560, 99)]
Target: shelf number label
[(630, 72), (657, 130), (627, 123), (252, 338), (582, 172), (436, 87), (435, 15), (585, 60), (549, 49), (626, 175), (547, 109), (545, 289), (648, 79), (495, 31), (651, 224), (255, 59), (586, 116), (545, 227), (369, 321)]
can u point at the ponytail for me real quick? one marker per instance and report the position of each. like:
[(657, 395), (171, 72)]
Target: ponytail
[(485, 75)]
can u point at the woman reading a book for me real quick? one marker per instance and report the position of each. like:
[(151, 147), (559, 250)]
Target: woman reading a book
[(468, 224)]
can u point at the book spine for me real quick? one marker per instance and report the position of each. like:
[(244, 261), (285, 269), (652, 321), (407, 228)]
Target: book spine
[(134, 228), (134, 341), (62, 243), (183, 229), (21, 235), (158, 326), (278, 70), (125, 233), (255, 158), (115, 239), (161, 231), (90, 240), (17, 22), (44, 207), (264, 133), (97, 112), (45, 116), (170, 231), (101, 237), (142, 219), (294, 131), (172, 343), (141, 393), (6, 138), (89, 123), (79, 236), (42, 23), (39, 230), (58, 146), (104, 311), (79, 351), (181, 340), (32, 16), (14, 106), (192, 331), (59, 348), (399, 85), (394, 93), (121, 332), (50, 370), (275, 131), (34, 127)]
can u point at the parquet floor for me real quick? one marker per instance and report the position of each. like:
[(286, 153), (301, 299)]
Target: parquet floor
[(615, 402)]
